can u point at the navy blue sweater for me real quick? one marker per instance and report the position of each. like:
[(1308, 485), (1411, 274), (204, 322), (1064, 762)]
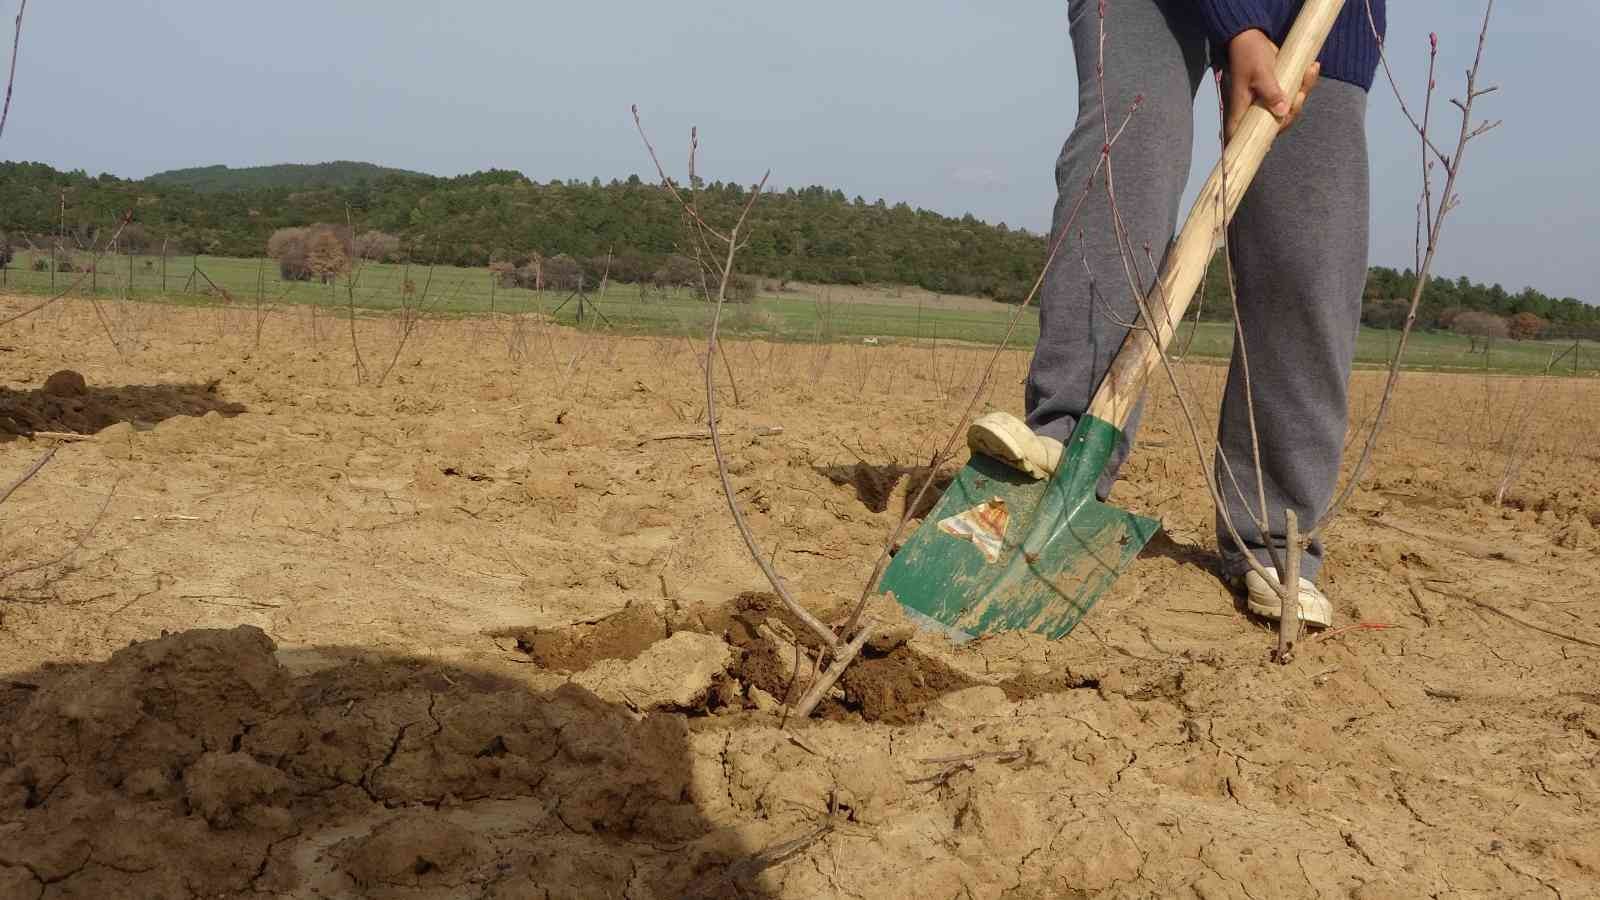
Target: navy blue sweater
[(1350, 54)]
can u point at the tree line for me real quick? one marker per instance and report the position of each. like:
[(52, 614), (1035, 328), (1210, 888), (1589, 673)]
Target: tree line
[(631, 229)]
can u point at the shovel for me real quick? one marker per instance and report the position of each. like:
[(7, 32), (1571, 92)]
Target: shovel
[(1005, 552)]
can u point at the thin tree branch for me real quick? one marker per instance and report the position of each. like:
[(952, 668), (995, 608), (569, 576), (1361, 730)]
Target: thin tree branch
[(731, 239), (842, 658), (25, 477), (11, 80), (1446, 204)]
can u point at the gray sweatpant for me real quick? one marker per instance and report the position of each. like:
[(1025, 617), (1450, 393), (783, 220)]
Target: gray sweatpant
[(1299, 246)]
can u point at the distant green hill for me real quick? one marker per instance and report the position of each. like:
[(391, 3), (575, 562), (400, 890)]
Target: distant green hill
[(291, 176), (627, 229)]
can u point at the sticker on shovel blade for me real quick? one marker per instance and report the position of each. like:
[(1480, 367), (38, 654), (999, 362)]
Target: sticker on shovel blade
[(984, 525)]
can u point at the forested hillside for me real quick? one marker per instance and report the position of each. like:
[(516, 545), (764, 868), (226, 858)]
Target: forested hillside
[(294, 176), (810, 234)]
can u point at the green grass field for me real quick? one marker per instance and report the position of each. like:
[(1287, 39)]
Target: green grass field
[(808, 315)]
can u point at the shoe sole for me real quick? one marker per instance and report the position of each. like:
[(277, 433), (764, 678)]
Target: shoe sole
[(1274, 611), (994, 444)]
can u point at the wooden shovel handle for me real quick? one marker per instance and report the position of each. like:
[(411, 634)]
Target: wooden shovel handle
[(1186, 263)]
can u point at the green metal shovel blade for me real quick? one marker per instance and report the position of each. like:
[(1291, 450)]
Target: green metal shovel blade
[(1005, 552)]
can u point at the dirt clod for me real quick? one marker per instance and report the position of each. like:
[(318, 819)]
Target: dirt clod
[(675, 673), (622, 635), (66, 383), (894, 688)]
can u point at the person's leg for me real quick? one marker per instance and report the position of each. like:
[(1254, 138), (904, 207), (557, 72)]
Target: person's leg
[(1299, 246), (1154, 48)]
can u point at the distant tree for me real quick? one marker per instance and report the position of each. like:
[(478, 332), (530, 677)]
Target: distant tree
[(290, 247), (5, 250), (627, 267), (677, 271), (1480, 326), (326, 255), (377, 246), (562, 273), (135, 238), (320, 251), (1013, 290), (1389, 314), (1525, 326), (531, 273), (741, 288)]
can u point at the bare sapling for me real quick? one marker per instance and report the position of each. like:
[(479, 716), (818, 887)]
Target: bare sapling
[(260, 288), (1521, 433), (351, 277), (1432, 215), (412, 306), (837, 653)]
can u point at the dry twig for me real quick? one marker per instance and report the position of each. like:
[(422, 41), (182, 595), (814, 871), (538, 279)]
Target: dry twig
[(1489, 607), (769, 431)]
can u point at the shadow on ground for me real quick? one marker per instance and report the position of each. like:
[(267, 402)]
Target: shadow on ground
[(66, 404), (875, 485), (207, 763), (1162, 545)]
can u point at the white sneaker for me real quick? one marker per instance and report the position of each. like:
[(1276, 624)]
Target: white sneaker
[(1002, 436), (1262, 599)]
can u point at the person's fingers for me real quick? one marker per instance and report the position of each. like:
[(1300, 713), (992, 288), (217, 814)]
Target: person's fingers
[(1313, 72), (1306, 85), (1264, 85), (1239, 97)]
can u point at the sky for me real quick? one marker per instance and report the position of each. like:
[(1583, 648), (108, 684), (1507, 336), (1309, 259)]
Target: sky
[(952, 105)]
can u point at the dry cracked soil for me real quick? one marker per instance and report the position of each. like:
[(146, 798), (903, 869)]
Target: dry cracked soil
[(483, 629)]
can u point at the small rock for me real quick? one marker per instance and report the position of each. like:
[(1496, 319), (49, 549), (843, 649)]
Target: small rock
[(66, 383)]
